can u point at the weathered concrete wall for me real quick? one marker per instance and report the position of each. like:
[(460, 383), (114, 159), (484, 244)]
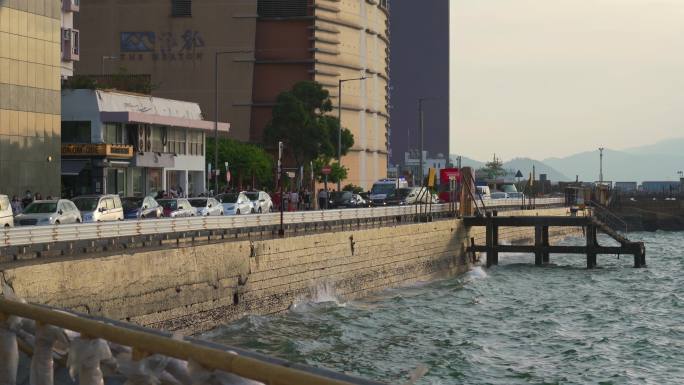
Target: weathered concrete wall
[(196, 288)]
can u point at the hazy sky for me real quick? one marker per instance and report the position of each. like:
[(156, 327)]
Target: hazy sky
[(543, 78)]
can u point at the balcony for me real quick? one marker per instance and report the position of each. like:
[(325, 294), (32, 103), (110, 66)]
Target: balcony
[(119, 151), (71, 5), (70, 45)]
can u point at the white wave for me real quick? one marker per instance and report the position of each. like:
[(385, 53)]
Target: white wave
[(321, 293), (476, 272)]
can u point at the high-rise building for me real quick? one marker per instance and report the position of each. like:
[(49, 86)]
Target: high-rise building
[(419, 68), (328, 41), (265, 47), (30, 68), (70, 37)]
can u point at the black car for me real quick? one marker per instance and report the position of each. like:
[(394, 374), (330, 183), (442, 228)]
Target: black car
[(397, 197), (343, 199)]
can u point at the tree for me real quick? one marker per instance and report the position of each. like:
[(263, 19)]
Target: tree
[(337, 171), (353, 188), (301, 120), (493, 169), (246, 162)]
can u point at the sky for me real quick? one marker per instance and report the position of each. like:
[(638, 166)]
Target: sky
[(550, 78)]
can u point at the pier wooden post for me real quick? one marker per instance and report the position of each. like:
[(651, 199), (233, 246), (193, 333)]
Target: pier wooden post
[(591, 246), (545, 243), (537, 243), (492, 241), (640, 256)]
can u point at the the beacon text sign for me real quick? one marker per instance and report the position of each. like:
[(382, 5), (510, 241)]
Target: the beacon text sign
[(104, 150)]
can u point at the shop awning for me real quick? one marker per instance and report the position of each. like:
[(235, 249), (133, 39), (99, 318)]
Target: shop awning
[(73, 167)]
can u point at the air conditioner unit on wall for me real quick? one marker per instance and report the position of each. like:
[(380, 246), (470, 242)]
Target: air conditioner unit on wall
[(66, 34)]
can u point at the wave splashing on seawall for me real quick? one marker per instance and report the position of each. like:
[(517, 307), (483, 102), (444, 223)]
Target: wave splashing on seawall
[(516, 324)]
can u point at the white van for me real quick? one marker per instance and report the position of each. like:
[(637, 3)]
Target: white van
[(6, 217), (100, 208), (384, 188), (483, 191)]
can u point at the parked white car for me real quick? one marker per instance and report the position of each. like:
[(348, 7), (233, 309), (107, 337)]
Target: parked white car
[(206, 206), (100, 208), (235, 203), (498, 195), (52, 212), (6, 215), (261, 201)]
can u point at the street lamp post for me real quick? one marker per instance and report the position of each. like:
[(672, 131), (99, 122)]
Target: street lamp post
[(216, 108), (601, 165), (420, 124), (104, 58), (339, 122)]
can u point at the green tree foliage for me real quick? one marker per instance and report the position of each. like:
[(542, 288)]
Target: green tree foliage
[(302, 120), (353, 188), (246, 162), (493, 169), (121, 80), (337, 172)]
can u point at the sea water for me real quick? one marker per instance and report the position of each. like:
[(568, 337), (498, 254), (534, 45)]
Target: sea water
[(511, 324)]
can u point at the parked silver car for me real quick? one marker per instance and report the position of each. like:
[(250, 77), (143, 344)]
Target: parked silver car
[(235, 203), (206, 206), (52, 212), (261, 201), (100, 208)]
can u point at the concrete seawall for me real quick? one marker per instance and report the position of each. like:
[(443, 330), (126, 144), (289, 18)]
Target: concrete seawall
[(196, 288)]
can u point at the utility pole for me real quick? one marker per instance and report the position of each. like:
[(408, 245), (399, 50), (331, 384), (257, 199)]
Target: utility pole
[(339, 122), (420, 125), (601, 165)]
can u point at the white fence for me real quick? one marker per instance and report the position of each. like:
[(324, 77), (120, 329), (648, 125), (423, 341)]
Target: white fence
[(22, 236)]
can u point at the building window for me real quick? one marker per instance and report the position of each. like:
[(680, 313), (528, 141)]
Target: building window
[(114, 133), (181, 8), (280, 8), (176, 141), (196, 143), (75, 132), (156, 140)]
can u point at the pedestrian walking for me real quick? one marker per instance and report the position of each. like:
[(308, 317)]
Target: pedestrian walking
[(294, 201), (28, 198), (322, 199), (16, 205)]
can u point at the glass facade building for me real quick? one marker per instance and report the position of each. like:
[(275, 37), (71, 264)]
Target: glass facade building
[(30, 64)]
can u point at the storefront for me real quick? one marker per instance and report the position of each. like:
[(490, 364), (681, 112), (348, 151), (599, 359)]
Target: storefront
[(139, 145)]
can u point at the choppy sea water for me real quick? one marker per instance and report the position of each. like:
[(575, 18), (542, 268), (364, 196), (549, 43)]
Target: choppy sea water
[(512, 324)]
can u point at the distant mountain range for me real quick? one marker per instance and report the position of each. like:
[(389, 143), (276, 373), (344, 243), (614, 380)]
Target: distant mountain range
[(659, 161)]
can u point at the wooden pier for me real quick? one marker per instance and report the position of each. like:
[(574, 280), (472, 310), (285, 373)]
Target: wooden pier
[(542, 249)]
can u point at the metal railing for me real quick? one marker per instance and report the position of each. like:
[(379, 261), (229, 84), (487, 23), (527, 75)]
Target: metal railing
[(30, 235), (102, 336), (608, 217)]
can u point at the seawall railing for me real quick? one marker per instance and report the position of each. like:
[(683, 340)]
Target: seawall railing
[(84, 345), (49, 241)]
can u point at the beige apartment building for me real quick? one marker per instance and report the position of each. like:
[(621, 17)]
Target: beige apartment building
[(266, 47), (30, 67)]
